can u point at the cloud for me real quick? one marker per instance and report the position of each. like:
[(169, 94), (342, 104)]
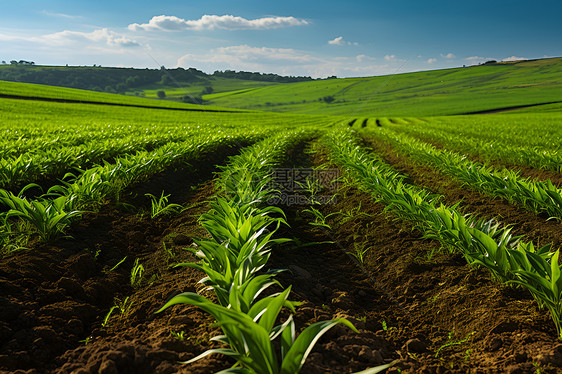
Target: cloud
[(59, 15), (431, 60), (286, 61), (104, 35), (390, 57), (211, 22), (475, 58), (514, 58), (337, 41), (244, 57), (361, 58), (448, 56), (66, 38)]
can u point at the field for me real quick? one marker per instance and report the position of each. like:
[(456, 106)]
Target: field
[(430, 93), (137, 234)]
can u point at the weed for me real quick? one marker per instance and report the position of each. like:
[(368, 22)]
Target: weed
[(450, 342), (319, 218), (123, 306), (136, 274), (161, 207), (359, 252), (119, 263), (178, 335)]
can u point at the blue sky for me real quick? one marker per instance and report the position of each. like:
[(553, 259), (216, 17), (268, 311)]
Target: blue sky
[(316, 38)]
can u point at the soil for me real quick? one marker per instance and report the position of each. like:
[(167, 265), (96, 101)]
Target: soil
[(413, 304)]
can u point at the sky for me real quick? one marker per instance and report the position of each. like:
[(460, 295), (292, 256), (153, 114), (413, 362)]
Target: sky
[(301, 38)]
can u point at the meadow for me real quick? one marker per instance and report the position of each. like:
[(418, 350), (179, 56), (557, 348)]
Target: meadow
[(387, 232), (430, 93)]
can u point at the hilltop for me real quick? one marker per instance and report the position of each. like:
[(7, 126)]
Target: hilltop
[(489, 87)]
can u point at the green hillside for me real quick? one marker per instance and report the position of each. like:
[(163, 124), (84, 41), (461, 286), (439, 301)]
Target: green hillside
[(52, 93), (438, 92)]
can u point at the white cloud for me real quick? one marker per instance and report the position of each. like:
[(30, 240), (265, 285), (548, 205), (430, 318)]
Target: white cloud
[(104, 36), (390, 57), (287, 61), (361, 58), (66, 38), (59, 15), (211, 22), (337, 41), (514, 58), (448, 56), (475, 58), (245, 57), (431, 60)]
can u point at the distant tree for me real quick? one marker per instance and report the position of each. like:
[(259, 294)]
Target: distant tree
[(192, 99), (208, 90), (132, 81), (165, 80), (121, 87), (161, 94), (13, 62), (328, 99), (4, 62)]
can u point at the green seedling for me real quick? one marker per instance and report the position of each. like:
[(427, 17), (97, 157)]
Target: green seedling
[(136, 273), (119, 263), (49, 218), (450, 342), (319, 217), (161, 207), (178, 335)]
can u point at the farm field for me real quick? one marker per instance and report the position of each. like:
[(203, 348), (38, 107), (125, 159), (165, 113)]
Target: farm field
[(140, 233)]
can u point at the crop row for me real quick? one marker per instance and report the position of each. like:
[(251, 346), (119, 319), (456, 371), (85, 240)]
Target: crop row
[(490, 150), (544, 132), (51, 213), (483, 243), (534, 195), (40, 164), (241, 226)]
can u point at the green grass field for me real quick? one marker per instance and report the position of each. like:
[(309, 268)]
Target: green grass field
[(219, 85), (428, 93)]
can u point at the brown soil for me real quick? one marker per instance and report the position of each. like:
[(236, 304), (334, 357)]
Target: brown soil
[(433, 315)]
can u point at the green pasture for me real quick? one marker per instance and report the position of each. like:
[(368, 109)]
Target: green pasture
[(428, 93)]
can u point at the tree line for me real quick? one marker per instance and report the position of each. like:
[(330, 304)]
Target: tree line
[(120, 80)]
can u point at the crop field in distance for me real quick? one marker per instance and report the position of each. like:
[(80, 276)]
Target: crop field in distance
[(400, 224)]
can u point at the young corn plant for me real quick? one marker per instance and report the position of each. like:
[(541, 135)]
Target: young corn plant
[(49, 218), (250, 336), (543, 279)]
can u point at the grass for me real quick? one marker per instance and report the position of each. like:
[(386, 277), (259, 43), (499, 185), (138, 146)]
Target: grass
[(427, 93), (219, 85)]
